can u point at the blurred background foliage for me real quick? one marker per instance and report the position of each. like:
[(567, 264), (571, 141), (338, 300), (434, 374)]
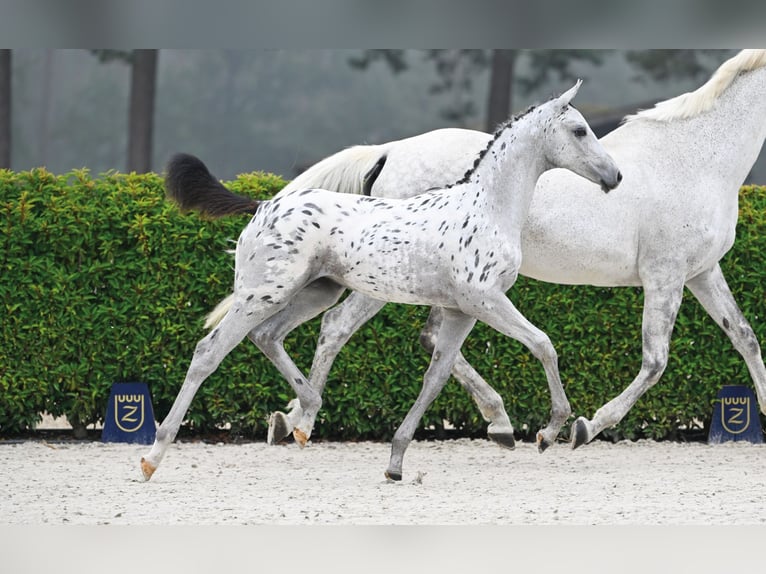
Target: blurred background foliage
[(282, 110)]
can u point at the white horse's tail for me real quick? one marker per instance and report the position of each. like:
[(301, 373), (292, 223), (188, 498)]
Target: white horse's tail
[(352, 170)]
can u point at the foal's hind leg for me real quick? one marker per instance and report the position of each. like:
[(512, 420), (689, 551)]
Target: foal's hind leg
[(338, 324), (489, 401), (209, 353), (713, 293), (455, 328), (269, 337)]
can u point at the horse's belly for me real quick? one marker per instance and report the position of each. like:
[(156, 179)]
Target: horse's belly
[(602, 273), (579, 261), (577, 235)]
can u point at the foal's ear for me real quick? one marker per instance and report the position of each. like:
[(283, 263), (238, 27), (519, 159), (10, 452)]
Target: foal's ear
[(567, 96)]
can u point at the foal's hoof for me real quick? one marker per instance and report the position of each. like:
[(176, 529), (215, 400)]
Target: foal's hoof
[(279, 428), (542, 443), (503, 439), (147, 468), (579, 434), (300, 437), (393, 475)]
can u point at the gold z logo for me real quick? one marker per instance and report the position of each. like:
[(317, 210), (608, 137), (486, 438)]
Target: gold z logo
[(128, 415), (129, 412), (735, 414)]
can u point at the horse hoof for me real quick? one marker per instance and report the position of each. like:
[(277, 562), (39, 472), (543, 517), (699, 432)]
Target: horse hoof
[(393, 475), (147, 468), (279, 428), (300, 437), (579, 434), (503, 439), (542, 443)]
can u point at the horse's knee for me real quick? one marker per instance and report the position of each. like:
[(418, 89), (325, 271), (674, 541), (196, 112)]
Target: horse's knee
[(334, 327), (264, 340), (653, 365), (544, 350), (748, 342), (491, 405), (311, 403), (202, 350)]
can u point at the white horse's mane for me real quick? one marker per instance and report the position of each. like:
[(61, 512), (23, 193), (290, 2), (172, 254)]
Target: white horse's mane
[(702, 99)]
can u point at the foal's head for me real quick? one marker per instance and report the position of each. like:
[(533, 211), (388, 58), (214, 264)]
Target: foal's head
[(571, 144)]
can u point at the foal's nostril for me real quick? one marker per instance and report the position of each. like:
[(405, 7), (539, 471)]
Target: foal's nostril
[(619, 176)]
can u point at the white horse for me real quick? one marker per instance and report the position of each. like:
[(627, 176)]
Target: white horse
[(668, 226), (458, 248)]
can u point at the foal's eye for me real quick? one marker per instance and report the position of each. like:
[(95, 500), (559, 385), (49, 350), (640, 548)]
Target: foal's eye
[(580, 132)]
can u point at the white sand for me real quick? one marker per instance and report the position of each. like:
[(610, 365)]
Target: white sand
[(449, 482)]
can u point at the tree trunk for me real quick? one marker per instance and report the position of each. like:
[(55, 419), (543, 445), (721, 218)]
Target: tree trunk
[(143, 81), (500, 85), (43, 136), (5, 109)]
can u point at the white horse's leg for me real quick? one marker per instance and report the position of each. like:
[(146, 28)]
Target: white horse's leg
[(455, 328), (209, 353), (661, 304), (269, 338), (488, 400), (338, 324), (711, 290), (501, 314)]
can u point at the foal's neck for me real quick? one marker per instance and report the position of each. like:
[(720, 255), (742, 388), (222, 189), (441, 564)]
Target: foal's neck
[(508, 169)]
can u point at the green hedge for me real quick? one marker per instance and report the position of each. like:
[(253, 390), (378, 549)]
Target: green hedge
[(104, 281)]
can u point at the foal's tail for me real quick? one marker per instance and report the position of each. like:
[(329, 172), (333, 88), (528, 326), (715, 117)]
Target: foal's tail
[(216, 315), (189, 184)]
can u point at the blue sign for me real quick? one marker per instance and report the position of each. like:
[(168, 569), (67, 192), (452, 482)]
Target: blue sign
[(735, 416), (129, 415)]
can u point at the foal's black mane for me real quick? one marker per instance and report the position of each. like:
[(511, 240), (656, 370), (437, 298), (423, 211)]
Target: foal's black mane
[(500, 129)]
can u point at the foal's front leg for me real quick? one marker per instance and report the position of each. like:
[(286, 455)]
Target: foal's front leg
[(454, 329), (489, 401), (497, 311)]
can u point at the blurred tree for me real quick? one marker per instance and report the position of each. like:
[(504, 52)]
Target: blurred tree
[(5, 109), (456, 70), (46, 93), (667, 64), (143, 82)]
